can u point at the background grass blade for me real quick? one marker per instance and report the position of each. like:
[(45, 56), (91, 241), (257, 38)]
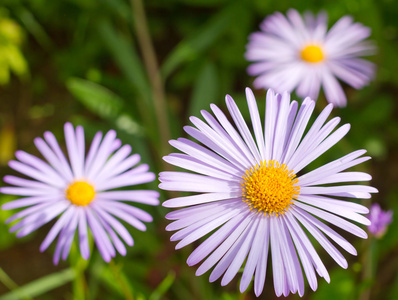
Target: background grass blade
[(41, 285), (95, 97), (199, 41), (205, 90)]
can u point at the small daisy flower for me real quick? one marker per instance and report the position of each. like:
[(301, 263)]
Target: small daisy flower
[(380, 220), (81, 192), (254, 203), (292, 53)]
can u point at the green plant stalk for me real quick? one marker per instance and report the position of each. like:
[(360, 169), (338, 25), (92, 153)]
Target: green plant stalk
[(79, 282), (41, 286), (128, 295), (368, 266), (9, 283), (153, 72)]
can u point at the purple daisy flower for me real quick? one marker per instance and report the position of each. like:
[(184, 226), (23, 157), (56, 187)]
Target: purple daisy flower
[(292, 53), (81, 192), (252, 200), (380, 220)]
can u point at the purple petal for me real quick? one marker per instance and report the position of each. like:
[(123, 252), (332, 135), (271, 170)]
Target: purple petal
[(325, 243), (127, 179), (200, 199), (240, 257), (83, 235), (41, 166), (304, 256), (261, 268), (58, 226), (75, 148), (225, 246), (231, 254), (105, 149), (36, 220), (139, 196), (209, 224), (300, 123), (69, 235), (115, 239), (121, 214), (52, 142), (101, 239), (27, 201), (116, 225), (60, 165), (196, 165), (118, 164), (214, 240), (204, 155)]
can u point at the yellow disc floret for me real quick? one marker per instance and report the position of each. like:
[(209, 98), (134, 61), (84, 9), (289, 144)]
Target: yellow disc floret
[(270, 188), (312, 54), (80, 193)]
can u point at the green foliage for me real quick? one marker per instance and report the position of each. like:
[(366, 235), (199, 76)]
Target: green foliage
[(40, 286), (191, 47), (343, 287), (11, 57), (87, 66), (95, 97), (205, 90)]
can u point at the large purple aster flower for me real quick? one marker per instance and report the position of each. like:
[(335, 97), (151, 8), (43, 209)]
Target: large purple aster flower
[(81, 192), (292, 53), (254, 198)]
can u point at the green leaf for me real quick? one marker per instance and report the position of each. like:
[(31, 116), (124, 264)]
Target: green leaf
[(41, 285), (120, 8), (115, 280), (95, 97), (163, 287), (124, 53), (343, 287), (199, 41), (126, 58), (7, 281), (16, 60), (6, 239), (205, 89), (34, 27)]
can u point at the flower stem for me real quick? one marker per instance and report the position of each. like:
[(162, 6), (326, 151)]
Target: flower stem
[(80, 284), (152, 68), (128, 295), (368, 267), (10, 284)]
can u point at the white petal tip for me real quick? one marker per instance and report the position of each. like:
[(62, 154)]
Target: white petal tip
[(199, 272), (243, 288), (180, 245), (249, 91), (190, 262), (85, 256), (167, 203), (225, 282), (212, 279)]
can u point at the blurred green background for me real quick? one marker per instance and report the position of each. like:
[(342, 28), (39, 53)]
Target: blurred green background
[(91, 62)]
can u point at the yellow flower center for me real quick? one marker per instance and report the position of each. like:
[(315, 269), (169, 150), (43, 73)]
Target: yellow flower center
[(270, 188), (312, 54), (80, 193)]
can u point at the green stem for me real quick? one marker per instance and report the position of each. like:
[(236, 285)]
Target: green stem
[(151, 65), (128, 295), (368, 266), (9, 283), (79, 265)]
